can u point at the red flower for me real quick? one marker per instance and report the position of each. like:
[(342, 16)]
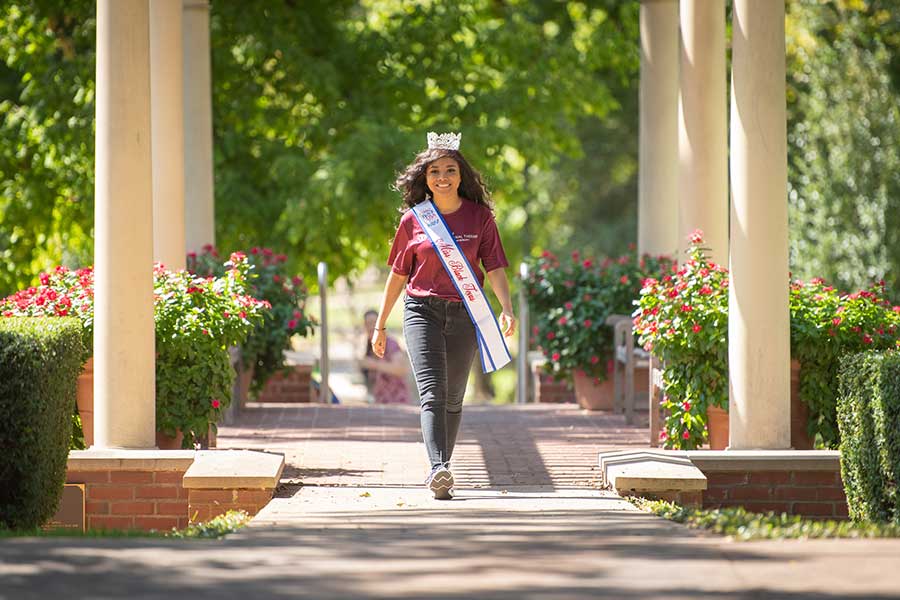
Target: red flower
[(242, 315), (237, 257), (706, 291), (569, 306), (624, 279), (663, 436), (587, 323), (555, 357), (576, 255), (696, 328), (534, 329), (563, 321), (216, 404), (836, 320), (595, 359), (292, 324), (696, 237), (588, 263), (686, 435), (551, 335), (867, 339), (686, 308), (226, 314), (686, 406), (673, 293)]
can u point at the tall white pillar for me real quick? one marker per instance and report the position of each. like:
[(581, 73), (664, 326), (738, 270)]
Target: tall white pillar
[(124, 353), (702, 131), (758, 311), (167, 111), (658, 166), (198, 158)]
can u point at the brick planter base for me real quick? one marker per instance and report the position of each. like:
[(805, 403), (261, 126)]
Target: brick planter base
[(295, 386)]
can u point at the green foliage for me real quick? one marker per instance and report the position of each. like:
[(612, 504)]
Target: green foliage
[(683, 319), (197, 320), (217, 527), (46, 157), (827, 325), (571, 301), (843, 127), (40, 359), (868, 413), (743, 525), (269, 281)]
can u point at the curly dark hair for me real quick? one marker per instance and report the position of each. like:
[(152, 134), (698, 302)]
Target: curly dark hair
[(411, 181)]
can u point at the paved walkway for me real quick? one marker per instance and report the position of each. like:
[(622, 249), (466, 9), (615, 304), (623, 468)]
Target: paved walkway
[(528, 522)]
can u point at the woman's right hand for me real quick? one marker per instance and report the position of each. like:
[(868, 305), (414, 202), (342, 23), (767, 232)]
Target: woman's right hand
[(379, 339)]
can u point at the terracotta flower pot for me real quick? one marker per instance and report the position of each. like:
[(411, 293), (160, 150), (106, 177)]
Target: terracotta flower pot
[(717, 419), (717, 422), (593, 396), (84, 399), (167, 442)]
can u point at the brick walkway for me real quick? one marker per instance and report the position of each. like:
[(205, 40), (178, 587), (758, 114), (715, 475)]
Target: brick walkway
[(551, 446)]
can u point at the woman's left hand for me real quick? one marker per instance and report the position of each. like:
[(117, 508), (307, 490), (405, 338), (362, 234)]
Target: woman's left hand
[(507, 323)]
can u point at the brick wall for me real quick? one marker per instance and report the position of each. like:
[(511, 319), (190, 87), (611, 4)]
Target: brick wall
[(295, 386), (116, 499), (204, 505), (817, 494)]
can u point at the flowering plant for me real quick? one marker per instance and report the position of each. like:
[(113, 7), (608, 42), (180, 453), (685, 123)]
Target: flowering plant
[(826, 325), (683, 320), (265, 345), (196, 319), (571, 301)]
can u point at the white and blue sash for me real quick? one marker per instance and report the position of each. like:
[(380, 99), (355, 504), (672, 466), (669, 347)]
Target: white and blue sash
[(494, 353)]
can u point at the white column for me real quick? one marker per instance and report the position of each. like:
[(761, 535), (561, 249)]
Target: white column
[(167, 111), (198, 158), (759, 318), (124, 362), (658, 166), (702, 131)]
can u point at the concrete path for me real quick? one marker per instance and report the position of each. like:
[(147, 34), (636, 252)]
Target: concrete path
[(352, 521)]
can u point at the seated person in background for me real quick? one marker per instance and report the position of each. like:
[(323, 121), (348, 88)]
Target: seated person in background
[(385, 377)]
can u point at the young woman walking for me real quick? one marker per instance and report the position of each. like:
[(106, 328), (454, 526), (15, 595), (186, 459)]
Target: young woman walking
[(445, 233)]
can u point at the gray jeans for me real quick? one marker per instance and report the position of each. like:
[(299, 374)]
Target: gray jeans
[(440, 338)]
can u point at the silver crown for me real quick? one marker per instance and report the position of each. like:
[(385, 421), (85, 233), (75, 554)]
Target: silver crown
[(443, 141)]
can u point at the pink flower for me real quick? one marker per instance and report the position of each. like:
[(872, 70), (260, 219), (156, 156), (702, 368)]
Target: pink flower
[(836, 320), (576, 255), (673, 293), (551, 335), (663, 436), (587, 323), (555, 357), (686, 308), (569, 283), (226, 314), (588, 263), (897, 309), (706, 291), (569, 306), (563, 321), (292, 324), (216, 404), (696, 237), (237, 257), (624, 279), (595, 359)]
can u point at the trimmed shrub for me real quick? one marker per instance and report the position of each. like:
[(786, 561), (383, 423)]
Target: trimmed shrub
[(40, 359), (869, 420)]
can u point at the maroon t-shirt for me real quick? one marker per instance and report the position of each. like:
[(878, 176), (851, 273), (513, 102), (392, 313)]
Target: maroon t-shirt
[(412, 253)]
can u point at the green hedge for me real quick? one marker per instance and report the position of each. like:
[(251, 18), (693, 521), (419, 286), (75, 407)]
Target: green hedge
[(40, 359), (869, 421)]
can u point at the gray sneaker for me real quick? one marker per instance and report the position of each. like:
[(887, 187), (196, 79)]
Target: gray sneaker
[(440, 482)]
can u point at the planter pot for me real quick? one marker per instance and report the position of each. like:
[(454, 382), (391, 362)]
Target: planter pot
[(717, 419), (593, 396), (717, 422), (167, 442), (84, 399), (244, 378), (800, 439)]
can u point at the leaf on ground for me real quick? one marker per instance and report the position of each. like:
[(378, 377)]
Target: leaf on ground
[(365, 495)]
